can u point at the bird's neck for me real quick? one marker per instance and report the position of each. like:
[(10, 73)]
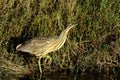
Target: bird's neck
[(63, 35), (62, 38)]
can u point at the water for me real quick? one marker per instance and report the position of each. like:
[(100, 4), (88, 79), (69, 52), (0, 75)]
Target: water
[(76, 76)]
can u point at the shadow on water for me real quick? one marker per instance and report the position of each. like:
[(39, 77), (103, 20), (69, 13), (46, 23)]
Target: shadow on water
[(75, 76)]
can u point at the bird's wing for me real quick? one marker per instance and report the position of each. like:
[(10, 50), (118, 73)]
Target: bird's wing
[(40, 41), (37, 45)]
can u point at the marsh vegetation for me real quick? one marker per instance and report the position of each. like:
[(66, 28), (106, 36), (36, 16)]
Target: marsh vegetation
[(92, 46)]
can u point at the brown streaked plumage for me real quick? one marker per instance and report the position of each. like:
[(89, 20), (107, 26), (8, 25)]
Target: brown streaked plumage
[(41, 46)]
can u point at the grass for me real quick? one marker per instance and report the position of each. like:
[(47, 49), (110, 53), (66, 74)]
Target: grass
[(94, 44)]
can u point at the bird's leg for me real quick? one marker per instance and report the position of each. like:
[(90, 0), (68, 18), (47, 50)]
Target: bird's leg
[(49, 61), (39, 63)]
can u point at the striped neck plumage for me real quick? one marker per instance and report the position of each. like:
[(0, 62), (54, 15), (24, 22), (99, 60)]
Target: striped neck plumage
[(63, 36)]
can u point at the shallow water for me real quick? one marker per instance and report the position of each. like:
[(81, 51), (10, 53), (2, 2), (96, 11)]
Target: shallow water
[(76, 76)]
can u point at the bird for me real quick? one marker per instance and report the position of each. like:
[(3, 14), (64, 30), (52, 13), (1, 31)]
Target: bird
[(41, 46)]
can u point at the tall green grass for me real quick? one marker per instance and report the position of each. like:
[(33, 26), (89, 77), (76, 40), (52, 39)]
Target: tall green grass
[(93, 44)]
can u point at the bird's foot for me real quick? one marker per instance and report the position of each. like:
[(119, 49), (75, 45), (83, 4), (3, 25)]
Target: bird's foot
[(48, 60)]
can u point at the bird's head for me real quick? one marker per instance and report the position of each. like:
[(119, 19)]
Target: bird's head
[(71, 25)]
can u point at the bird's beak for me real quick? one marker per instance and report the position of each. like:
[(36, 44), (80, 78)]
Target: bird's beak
[(72, 25)]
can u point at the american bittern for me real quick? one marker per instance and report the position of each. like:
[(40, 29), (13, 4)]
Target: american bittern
[(41, 46)]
